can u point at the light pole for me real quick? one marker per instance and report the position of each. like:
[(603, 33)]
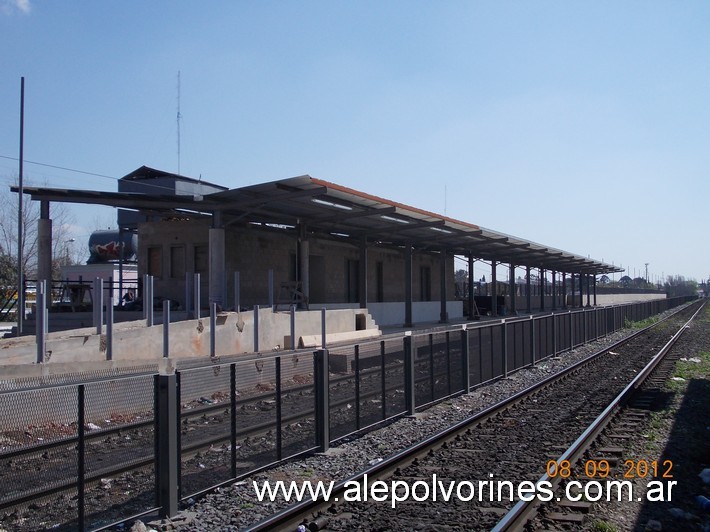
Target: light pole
[(646, 263)]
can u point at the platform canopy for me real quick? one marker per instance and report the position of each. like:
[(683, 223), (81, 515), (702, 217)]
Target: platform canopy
[(334, 211)]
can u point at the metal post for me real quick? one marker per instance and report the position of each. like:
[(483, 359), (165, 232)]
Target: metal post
[(443, 314), (554, 333), (196, 297), (293, 327), (471, 297), (271, 289), (20, 222), (167, 451), (233, 412), (99, 304), (494, 290), (279, 414), (564, 290), (528, 289), (465, 360), (40, 336), (148, 303), (356, 361), (166, 328), (213, 329), (505, 348), (533, 339), (188, 294), (256, 328), (237, 292), (323, 327), (81, 454), (109, 328), (571, 331), (321, 378), (409, 384), (408, 285)]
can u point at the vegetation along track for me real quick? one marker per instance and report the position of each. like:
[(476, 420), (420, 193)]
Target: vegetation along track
[(510, 442)]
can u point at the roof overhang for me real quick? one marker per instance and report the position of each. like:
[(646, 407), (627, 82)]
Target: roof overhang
[(329, 209)]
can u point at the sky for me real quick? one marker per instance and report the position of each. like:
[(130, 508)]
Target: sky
[(579, 125)]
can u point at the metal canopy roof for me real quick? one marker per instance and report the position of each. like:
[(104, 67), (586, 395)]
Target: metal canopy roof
[(339, 212)]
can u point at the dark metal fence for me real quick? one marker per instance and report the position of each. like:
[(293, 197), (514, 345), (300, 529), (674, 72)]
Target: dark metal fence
[(126, 446)]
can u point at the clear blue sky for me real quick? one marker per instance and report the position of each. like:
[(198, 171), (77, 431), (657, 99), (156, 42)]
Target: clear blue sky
[(580, 125)]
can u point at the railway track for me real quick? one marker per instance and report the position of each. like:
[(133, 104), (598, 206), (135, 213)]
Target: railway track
[(205, 434), (504, 445)]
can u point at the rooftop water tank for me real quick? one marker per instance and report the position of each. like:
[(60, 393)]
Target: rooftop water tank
[(105, 246)]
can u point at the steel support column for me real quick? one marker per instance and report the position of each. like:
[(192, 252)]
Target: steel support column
[(408, 285), (362, 274), (471, 297), (594, 286), (494, 290), (217, 280), (571, 278), (44, 245), (167, 452), (528, 296), (564, 290), (541, 284), (512, 288), (589, 303), (304, 270), (554, 290), (443, 314)]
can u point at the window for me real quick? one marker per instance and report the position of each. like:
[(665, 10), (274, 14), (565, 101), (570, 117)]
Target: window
[(177, 262), (202, 263), (155, 261)]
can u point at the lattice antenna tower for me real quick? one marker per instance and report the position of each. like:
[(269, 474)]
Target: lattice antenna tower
[(179, 116)]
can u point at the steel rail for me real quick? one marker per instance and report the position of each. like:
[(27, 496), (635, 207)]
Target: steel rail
[(296, 514), (523, 510)]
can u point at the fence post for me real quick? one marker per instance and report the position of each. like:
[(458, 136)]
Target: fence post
[(271, 289), (166, 328), (196, 297), (98, 304), (109, 328), (188, 294), (237, 292), (409, 395), (233, 414), (166, 457), (505, 349), (293, 327), (554, 334), (321, 378), (465, 360), (40, 328), (533, 340), (322, 327), (81, 452), (256, 328), (213, 329)]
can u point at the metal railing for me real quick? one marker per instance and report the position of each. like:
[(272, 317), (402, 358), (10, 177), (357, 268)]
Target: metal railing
[(125, 446)]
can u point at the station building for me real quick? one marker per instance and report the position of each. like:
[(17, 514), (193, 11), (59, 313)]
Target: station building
[(313, 243)]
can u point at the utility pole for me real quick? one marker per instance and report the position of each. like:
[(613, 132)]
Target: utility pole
[(646, 263), (20, 279)]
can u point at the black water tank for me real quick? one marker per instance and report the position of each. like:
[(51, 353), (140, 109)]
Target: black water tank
[(105, 246)]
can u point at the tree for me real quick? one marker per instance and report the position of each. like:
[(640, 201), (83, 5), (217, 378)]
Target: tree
[(677, 285), (61, 241)]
